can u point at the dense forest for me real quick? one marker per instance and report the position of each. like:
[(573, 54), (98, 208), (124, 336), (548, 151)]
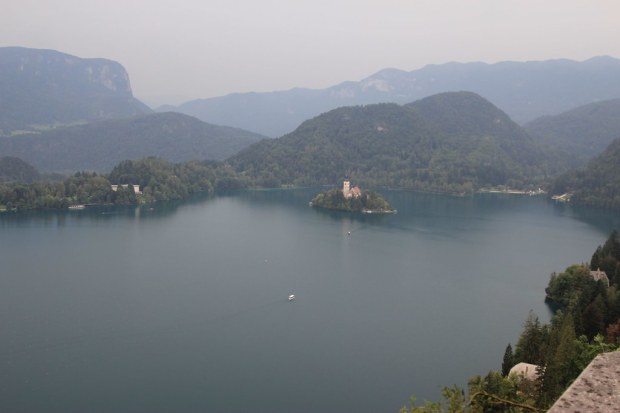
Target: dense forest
[(579, 134), (598, 184), (586, 323), (16, 170), (99, 146), (158, 180), (453, 142)]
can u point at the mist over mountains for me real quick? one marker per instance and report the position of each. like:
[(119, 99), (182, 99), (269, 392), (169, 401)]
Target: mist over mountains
[(60, 113), (452, 142), (39, 88), (524, 90), (581, 133)]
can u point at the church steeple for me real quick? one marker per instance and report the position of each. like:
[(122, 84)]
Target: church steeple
[(346, 188)]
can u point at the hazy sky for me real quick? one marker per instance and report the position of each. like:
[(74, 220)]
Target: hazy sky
[(178, 50)]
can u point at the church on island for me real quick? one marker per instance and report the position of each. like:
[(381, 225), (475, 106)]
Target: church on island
[(349, 192), (352, 199)]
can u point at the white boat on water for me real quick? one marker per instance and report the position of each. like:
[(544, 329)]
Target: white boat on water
[(291, 297)]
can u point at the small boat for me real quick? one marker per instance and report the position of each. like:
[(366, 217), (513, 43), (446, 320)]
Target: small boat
[(291, 297)]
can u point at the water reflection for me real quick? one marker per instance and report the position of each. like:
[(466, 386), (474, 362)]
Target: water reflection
[(104, 213)]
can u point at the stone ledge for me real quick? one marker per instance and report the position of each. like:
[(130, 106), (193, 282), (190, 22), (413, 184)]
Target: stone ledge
[(597, 389)]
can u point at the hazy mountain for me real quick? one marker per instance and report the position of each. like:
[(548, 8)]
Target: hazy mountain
[(39, 88), (524, 90), (598, 183), (99, 146), (453, 142), (581, 133), (16, 170)]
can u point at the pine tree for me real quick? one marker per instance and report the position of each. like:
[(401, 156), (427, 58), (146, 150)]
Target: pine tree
[(508, 361)]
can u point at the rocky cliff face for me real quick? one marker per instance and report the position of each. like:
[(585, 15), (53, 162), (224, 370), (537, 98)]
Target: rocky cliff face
[(45, 87)]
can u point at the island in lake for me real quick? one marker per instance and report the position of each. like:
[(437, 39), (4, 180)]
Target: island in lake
[(352, 200)]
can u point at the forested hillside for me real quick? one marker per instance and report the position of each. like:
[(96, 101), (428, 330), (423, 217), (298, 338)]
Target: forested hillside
[(597, 184), (158, 180), (579, 134), (453, 142), (16, 170), (99, 146)]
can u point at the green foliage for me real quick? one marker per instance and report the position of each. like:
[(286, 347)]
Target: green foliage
[(82, 188), (530, 347), (493, 393), (579, 134), (454, 142), (161, 180), (598, 184), (508, 361), (566, 288), (16, 170), (607, 258), (454, 402), (158, 180), (496, 393), (99, 146)]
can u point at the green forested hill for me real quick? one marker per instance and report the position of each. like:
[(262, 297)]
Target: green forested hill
[(582, 133), (99, 146), (15, 170), (598, 184), (453, 142), (484, 138)]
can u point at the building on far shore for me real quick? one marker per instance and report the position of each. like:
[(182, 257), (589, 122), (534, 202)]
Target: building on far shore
[(136, 188), (599, 275), (349, 192)]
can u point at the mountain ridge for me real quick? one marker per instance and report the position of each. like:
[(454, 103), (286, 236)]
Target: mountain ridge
[(581, 133), (524, 90), (99, 146), (596, 184), (43, 87), (405, 146)]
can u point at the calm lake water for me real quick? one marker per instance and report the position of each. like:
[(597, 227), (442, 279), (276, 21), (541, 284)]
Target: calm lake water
[(183, 307)]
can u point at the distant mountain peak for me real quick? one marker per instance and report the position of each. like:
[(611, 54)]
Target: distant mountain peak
[(47, 87), (524, 90)]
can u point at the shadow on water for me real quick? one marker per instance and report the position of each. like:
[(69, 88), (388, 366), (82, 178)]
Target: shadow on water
[(604, 220)]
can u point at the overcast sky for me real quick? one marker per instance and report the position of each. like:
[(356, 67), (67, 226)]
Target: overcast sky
[(178, 50)]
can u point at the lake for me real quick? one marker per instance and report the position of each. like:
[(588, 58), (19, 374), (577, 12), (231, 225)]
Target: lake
[(182, 307)]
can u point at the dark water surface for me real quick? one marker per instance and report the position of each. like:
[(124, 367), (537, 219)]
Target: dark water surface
[(183, 307)]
